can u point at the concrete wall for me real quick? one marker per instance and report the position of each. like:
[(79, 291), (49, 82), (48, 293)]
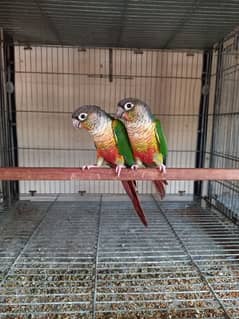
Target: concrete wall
[(52, 81)]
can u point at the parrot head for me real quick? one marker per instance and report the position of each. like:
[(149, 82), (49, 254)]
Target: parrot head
[(132, 110), (89, 117)]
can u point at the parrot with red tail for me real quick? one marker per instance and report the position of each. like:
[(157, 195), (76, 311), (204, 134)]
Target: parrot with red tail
[(112, 145), (146, 136)]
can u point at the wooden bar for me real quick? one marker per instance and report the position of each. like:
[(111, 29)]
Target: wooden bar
[(67, 173)]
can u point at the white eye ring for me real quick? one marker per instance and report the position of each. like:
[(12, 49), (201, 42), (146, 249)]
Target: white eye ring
[(82, 116), (128, 106)]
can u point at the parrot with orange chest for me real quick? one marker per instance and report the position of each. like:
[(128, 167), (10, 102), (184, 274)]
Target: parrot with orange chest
[(146, 136), (112, 145)]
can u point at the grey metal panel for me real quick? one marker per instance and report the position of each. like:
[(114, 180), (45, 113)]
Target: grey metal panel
[(123, 23)]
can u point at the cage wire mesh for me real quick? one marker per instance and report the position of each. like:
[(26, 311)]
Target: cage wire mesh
[(196, 102), (223, 121), (91, 258), (52, 81)]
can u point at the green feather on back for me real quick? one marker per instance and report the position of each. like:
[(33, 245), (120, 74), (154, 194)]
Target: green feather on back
[(122, 141), (161, 138)]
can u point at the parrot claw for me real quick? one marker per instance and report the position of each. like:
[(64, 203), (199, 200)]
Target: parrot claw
[(162, 168), (88, 167), (118, 169)]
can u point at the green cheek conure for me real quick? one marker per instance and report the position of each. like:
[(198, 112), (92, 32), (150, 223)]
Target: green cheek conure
[(112, 145), (146, 136)]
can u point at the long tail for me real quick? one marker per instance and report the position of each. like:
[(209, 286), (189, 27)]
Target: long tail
[(160, 186), (129, 187)]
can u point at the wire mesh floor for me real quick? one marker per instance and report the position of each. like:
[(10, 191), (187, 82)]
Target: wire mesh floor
[(91, 258)]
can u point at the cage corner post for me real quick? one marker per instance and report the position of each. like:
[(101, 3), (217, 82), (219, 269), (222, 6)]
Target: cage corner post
[(203, 117), (8, 135), (217, 98)]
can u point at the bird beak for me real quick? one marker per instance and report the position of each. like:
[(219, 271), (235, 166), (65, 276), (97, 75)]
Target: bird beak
[(120, 112), (76, 123)]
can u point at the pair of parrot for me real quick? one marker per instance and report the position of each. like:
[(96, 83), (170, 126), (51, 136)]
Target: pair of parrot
[(134, 138)]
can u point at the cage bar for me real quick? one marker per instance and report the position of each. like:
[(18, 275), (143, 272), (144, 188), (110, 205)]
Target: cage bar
[(8, 133)]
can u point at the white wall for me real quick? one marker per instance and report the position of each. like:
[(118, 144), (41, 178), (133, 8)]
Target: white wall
[(52, 81)]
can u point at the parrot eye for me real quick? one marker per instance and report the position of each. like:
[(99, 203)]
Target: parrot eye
[(82, 116), (128, 106)]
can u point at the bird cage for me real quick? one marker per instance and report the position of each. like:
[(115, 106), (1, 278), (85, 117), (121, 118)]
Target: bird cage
[(71, 244)]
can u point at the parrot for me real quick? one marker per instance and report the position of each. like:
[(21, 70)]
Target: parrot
[(146, 136), (112, 145)]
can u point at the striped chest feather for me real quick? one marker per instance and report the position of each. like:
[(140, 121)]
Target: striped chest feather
[(144, 142), (106, 145)]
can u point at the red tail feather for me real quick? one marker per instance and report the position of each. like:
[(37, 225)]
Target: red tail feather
[(160, 187), (129, 187)]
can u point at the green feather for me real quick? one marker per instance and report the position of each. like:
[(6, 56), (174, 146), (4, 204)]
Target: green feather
[(122, 141), (161, 138)]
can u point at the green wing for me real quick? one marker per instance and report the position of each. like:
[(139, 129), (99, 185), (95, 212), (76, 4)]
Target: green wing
[(122, 141), (161, 138)]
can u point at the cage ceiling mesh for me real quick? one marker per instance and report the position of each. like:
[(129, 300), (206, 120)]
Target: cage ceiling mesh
[(123, 23)]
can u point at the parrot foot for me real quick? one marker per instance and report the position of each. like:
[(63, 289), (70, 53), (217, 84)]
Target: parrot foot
[(118, 169), (134, 167), (89, 167), (162, 168)]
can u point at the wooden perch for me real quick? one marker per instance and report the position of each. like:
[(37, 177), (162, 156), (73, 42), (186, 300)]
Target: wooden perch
[(67, 173)]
